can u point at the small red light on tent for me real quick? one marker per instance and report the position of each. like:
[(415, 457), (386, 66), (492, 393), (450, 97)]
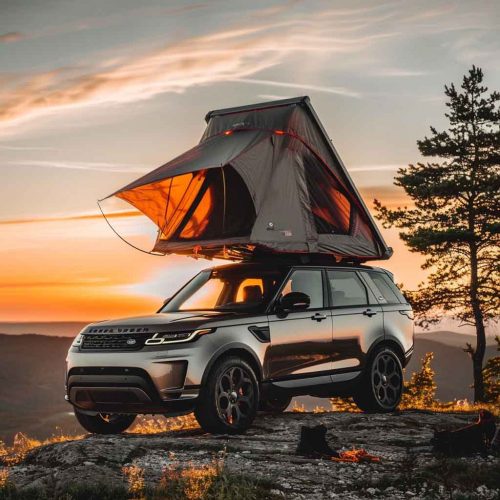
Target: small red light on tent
[(279, 132), (228, 132)]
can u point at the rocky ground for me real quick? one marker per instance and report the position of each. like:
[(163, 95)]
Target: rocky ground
[(407, 467)]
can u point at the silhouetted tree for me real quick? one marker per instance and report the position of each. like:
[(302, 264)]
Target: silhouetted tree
[(455, 218)]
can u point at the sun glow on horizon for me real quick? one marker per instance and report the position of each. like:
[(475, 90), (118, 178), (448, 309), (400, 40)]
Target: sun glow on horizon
[(77, 269)]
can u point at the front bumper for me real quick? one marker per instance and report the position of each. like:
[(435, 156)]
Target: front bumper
[(125, 390), (151, 380)]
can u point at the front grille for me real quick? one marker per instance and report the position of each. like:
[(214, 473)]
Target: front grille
[(111, 341)]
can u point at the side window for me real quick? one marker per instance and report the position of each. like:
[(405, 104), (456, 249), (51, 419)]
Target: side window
[(388, 290), (309, 282), (347, 289)]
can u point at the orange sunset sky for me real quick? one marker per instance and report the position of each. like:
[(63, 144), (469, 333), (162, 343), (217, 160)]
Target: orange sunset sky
[(94, 94)]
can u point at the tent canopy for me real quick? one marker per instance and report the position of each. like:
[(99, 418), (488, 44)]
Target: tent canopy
[(263, 178)]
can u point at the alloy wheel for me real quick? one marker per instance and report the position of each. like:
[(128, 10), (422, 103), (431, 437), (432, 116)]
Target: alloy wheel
[(234, 396), (387, 380)]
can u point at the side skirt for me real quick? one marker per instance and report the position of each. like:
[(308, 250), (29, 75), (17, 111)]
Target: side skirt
[(321, 384)]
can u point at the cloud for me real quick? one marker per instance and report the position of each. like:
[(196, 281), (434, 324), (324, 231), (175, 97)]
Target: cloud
[(375, 168), (398, 72), (269, 37), (51, 284), (234, 54), (12, 36), (390, 196), (27, 148), (84, 165), (273, 97), (195, 61), (74, 217), (302, 86)]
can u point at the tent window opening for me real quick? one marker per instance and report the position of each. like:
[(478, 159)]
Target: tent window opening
[(223, 207), (166, 202), (330, 208)]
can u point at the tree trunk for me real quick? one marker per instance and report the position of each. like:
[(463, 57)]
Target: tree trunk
[(478, 355)]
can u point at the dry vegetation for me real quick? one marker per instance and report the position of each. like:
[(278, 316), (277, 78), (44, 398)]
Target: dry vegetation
[(155, 425), (177, 482), (22, 444)]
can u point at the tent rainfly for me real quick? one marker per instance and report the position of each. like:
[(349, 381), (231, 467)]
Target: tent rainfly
[(265, 178)]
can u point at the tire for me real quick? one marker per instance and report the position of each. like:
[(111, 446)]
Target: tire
[(104, 423), (381, 386), (228, 401), (275, 404)]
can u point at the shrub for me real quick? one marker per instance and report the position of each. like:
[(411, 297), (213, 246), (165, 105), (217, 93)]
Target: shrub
[(420, 391)]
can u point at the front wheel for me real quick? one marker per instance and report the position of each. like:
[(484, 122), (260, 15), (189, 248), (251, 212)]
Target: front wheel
[(381, 386), (228, 401), (104, 423)]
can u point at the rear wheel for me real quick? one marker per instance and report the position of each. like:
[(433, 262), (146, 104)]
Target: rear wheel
[(381, 387), (104, 423), (228, 401), (275, 404)]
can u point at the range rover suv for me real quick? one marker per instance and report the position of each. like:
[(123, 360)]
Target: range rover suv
[(246, 337)]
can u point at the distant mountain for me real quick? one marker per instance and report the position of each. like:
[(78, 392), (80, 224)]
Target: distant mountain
[(32, 378), (452, 365), (452, 338), (32, 385), (52, 329)]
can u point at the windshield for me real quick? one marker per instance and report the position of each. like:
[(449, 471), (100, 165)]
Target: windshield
[(227, 290)]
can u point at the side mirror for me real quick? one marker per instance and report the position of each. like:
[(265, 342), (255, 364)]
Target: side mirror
[(294, 301)]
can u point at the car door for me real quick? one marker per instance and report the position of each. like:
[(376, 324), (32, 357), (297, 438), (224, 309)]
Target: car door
[(301, 341), (398, 315), (357, 319)]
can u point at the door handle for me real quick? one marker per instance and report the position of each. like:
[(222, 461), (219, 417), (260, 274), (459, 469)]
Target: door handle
[(318, 317), (369, 313)]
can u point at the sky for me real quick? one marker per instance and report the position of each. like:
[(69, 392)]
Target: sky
[(94, 94)]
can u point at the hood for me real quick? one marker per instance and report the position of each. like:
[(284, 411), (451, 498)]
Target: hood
[(160, 322)]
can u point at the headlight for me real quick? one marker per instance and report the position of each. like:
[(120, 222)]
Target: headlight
[(172, 337), (77, 342)]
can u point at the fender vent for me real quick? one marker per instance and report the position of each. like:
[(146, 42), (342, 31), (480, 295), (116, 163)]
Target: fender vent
[(261, 333)]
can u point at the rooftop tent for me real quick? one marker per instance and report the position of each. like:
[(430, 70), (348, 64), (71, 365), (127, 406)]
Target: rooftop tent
[(264, 178)]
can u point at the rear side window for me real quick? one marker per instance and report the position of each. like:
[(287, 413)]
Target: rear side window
[(386, 289), (346, 289)]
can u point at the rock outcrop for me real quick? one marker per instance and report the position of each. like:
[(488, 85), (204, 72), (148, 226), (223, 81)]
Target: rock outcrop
[(267, 451)]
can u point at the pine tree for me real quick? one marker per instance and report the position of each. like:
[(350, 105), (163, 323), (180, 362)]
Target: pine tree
[(420, 391), (455, 218), (491, 376)]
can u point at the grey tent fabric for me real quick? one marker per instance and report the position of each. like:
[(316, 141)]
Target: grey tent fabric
[(213, 152), (263, 179)]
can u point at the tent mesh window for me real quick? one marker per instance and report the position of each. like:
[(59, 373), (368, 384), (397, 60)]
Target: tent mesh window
[(330, 207), (222, 207)]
